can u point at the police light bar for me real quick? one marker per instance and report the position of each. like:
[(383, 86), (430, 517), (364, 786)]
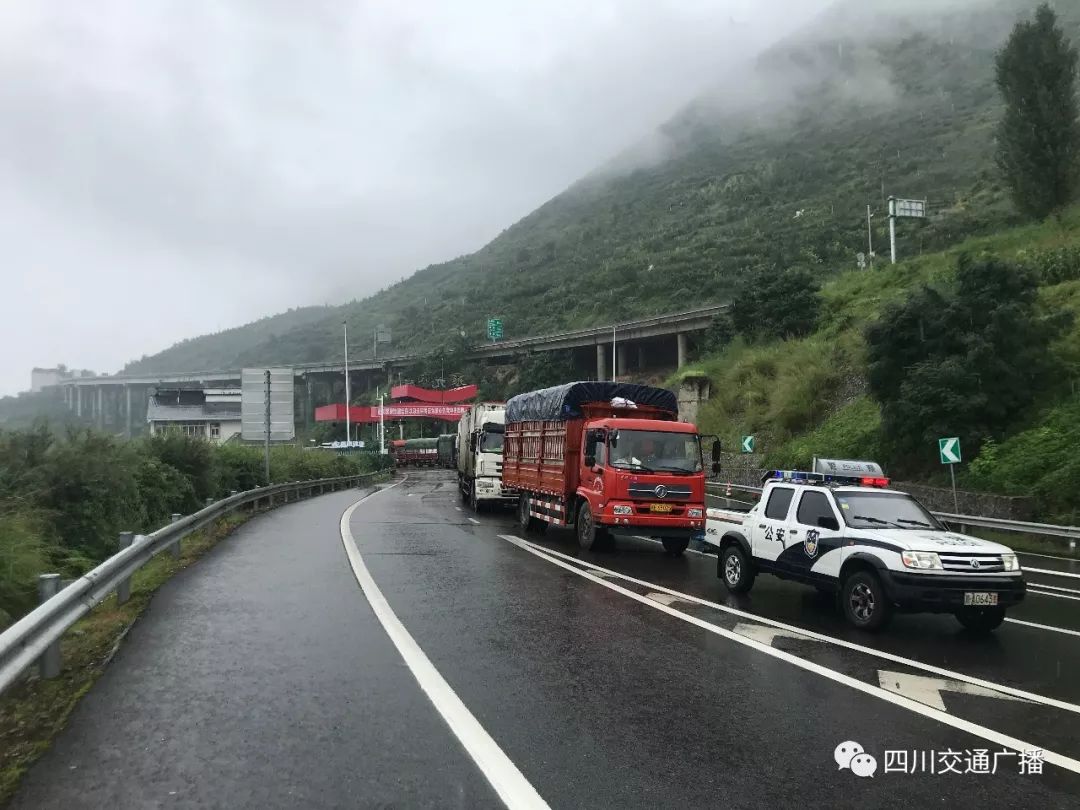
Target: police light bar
[(801, 477)]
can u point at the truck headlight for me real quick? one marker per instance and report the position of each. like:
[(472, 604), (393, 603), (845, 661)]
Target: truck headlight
[(921, 559), (693, 512), (1009, 562), (622, 509)]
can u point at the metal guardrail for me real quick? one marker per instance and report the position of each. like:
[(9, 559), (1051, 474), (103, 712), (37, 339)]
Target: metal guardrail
[(36, 636), (1070, 533)]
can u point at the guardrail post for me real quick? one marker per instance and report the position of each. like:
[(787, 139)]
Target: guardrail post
[(174, 549), (209, 500), (49, 663), (123, 590)]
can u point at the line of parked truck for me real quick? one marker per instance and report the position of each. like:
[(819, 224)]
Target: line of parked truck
[(608, 458)]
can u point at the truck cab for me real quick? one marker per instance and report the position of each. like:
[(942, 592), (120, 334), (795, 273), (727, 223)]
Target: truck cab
[(876, 549), (643, 476), (480, 456)]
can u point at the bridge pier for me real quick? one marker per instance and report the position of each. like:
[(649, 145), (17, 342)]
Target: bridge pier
[(601, 370), (78, 401), (681, 343), (99, 413), (621, 366), (641, 357), (127, 411)]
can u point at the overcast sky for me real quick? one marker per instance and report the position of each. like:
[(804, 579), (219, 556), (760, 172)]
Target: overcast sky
[(174, 167)]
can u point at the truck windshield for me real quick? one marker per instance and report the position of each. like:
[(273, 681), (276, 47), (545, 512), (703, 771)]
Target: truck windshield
[(655, 451), (491, 441), (890, 510)]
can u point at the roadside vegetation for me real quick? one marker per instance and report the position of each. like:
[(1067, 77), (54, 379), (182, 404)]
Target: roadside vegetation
[(64, 498)]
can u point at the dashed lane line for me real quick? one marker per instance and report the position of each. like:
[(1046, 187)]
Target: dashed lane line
[(839, 642), (914, 706), (508, 782)]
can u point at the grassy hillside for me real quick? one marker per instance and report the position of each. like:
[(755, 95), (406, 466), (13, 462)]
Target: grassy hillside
[(776, 166), (807, 397)]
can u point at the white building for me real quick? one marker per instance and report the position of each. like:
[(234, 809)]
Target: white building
[(210, 413), (42, 377)]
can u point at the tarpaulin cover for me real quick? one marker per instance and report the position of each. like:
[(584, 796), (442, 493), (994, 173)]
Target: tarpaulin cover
[(565, 401)]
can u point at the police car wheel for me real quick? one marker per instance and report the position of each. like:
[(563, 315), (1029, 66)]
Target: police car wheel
[(734, 569), (981, 620), (864, 602)]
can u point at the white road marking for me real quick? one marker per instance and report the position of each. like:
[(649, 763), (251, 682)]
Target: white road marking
[(839, 642), (766, 634), (1031, 590), (458, 508), (1044, 626), (659, 543), (474, 520), (1053, 587), (662, 598), (1048, 556), (928, 690), (914, 706), (511, 785), (1051, 572)]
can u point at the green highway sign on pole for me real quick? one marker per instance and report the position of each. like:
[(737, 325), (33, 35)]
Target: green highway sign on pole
[(494, 328), (747, 444), (949, 450)]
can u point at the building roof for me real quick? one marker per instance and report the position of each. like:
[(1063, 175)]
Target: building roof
[(208, 412)]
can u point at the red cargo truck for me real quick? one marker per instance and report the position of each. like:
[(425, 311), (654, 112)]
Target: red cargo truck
[(605, 457)]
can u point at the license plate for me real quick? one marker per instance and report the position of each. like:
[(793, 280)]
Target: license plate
[(660, 507), (985, 599)]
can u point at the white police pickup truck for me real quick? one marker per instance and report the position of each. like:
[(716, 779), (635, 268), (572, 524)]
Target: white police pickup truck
[(877, 550)]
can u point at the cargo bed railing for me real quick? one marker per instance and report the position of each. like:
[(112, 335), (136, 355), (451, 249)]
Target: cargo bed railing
[(36, 636)]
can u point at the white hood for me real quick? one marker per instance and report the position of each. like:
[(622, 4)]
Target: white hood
[(930, 540)]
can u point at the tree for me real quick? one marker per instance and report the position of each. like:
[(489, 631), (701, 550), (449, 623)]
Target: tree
[(774, 303), (963, 362), (1039, 136)]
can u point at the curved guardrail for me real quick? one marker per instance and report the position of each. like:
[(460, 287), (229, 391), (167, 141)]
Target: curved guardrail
[(36, 635), (1070, 533)]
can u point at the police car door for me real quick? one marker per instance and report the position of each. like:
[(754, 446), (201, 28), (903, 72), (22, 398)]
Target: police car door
[(770, 530), (813, 533)]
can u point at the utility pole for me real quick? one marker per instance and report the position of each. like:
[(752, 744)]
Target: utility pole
[(348, 393), (892, 229), (266, 431), (869, 237), (382, 427), (614, 366)]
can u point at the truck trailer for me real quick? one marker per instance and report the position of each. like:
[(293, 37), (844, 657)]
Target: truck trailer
[(414, 452), (447, 445), (605, 457)]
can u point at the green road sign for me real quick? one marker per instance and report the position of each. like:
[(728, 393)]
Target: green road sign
[(747, 444), (949, 450), (495, 328)]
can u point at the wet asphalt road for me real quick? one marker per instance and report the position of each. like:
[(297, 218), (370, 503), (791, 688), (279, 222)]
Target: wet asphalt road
[(261, 678)]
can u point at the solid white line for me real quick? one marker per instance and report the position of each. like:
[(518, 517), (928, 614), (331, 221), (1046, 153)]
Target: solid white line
[(1052, 587), (458, 508), (874, 691), (1044, 626), (1048, 556), (1052, 572), (1055, 595), (474, 520), (839, 642), (511, 785)]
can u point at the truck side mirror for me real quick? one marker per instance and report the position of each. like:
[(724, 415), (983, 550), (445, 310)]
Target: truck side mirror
[(716, 450), (828, 522)]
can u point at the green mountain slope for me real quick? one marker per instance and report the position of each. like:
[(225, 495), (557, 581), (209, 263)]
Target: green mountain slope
[(776, 166)]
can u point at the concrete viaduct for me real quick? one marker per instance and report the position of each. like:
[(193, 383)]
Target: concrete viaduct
[(115, 402)]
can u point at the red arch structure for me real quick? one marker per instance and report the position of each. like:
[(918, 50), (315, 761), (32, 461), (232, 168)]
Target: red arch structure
[(410, 402)]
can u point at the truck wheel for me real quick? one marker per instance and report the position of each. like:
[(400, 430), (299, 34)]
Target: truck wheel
[(864, 602), (736, 571), (981, 619), (474, 504), (675, 545), (589, 535), (527, 522)]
